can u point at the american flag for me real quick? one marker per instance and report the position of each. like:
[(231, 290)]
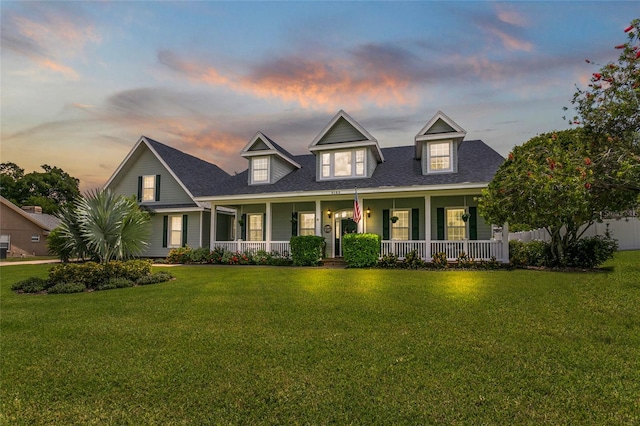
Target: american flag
[(356, 209)]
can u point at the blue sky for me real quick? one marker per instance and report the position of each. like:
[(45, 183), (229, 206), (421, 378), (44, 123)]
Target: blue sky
[(82, 81)]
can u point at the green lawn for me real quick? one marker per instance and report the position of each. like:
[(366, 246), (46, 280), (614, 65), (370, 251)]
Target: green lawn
[(263, 345)]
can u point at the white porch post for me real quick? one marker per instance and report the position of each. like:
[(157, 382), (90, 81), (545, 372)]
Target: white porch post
[(318, 218), (427, 226), (505, 243), (212, 231), (362, 213), (200, 230), (268, 225)]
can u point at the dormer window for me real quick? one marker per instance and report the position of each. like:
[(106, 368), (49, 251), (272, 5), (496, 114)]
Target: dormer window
[(343, 164), (440, 157), (260, 169)]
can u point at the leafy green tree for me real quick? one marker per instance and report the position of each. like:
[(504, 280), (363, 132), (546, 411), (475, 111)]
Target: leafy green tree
[(104, 226), (548, 183), (51, 189), (10, 175), (609, 109)]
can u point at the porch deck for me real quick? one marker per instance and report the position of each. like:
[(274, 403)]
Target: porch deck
[(478, 250)]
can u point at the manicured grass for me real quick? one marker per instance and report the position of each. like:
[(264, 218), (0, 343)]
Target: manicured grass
[(262, 345)]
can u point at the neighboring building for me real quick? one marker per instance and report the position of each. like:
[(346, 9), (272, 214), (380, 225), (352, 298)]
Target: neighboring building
[(24, 231), (417, 197), (165, 182)]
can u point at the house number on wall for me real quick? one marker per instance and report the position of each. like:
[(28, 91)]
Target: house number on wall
[(335, 192)]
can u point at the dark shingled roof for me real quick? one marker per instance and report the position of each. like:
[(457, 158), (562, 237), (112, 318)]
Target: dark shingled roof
[(477, 163), (200, 177)]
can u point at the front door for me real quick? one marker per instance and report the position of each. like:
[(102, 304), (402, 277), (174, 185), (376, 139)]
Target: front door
[(346, 226)]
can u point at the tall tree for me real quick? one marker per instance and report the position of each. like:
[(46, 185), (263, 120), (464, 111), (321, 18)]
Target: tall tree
[(609, 109), (10, 175), (50, 189), (548, 183)]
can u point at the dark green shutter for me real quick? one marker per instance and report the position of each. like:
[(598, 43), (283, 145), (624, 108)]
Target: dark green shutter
[(139, 188), (294, 224), (385, 224), (473, 223), (440, 223), (157, 187), (415, 224), (243, 227), (165, 230), (185, 224), (264, 227)]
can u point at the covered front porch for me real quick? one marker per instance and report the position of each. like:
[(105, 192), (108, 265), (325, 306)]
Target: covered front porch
[(440, 222)]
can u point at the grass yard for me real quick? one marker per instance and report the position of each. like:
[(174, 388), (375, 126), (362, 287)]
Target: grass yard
[(263, 345)]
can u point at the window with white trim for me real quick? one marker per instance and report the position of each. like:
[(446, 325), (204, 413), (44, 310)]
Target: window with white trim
[(35, 238), (5, 241), (440, 157), (149, 188), (340, 164), (254, 231), (400, 228), (456, 227), (307, 224), (175, 231), (260, 169)]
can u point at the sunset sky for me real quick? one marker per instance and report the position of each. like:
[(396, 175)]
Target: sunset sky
[(82, 81)]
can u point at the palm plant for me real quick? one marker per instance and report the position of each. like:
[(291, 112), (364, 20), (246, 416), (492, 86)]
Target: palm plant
[(112, 226), (66, 241)]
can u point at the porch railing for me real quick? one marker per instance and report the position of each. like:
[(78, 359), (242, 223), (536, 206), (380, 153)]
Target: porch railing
[(279, 247), (478, 250)]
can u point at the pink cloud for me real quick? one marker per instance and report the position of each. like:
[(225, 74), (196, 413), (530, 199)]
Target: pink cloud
[(511, 42), (308, 82)]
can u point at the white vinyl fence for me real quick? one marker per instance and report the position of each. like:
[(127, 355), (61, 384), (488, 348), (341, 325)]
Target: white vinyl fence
[(625, 230)]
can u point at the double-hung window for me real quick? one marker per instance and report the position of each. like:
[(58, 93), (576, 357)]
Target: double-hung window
[(255, 227), (400, 228), (260, 170), (339, 164), (149, 188), (456, 227), (307, 224), (440, 157), (175, 231)]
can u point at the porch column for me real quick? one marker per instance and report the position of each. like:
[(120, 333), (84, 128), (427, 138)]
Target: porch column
[(505, 243), (427, 226), (268, 225), (318, 218), (362, 213), (200, 230), (212, 231)]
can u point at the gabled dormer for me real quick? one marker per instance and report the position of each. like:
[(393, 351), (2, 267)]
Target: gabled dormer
[(437, 145), (268, 161), (345, 150)]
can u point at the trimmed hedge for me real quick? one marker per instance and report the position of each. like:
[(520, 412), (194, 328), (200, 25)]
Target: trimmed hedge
[(361, 250), (588, 252), (306, 250), (31, 285), (67, 288)]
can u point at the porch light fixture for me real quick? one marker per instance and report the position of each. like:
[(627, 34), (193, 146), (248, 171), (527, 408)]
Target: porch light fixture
[(368, 212), (329, 213)]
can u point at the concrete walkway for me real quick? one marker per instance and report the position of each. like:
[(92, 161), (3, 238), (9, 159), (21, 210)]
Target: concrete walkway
[(28, 262)]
